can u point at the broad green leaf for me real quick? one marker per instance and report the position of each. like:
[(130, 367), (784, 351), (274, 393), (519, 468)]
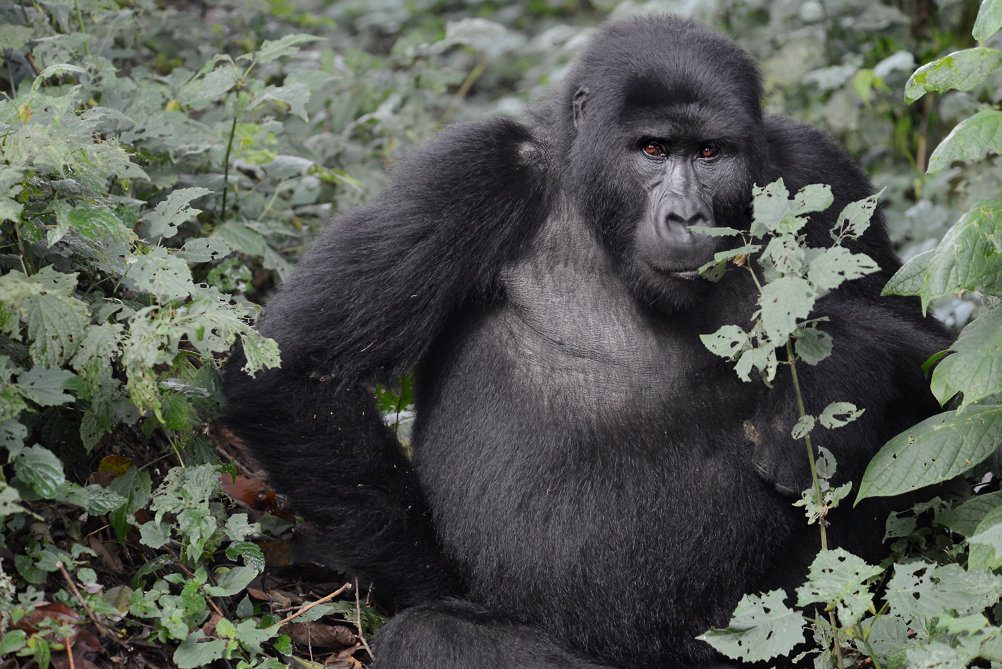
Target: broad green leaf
[(966, 258), (908, 280), (839, 577), (237, 528), (294, 95), (202, 91), (726, 342), (176, 209), (203, 249), (160, 273), (45, 386), (94, 223), (836, 265), (249, 552), (286, 46), (197, 650), (969, 140), (975, 367), (92, 498), (100, 344), (986, 542), (55, 319), (935, 450), (812, 345), (961, 70), (13, 36), (231, 581), (989, 20), (965, 518), (784, 302), (919, 591), (763, 627), (41, 469)]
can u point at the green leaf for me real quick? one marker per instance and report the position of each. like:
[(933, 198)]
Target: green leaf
[(231, 581), (803, 427), (836, 265), (986, 542), (989, 20), (975, 367), (202, 91), (250, 553), (965, 518), (785, 301), (763, 627), (45, 386), (935, 450), (839, 577), (41, 469), (196, 651), (92, 498), (176, 209), (286, 46), (775, 212), (162, 274), (14, 641), (854, 219), (909, 279), (838, 414), (961, 70), (965, 259), (13, 36), (969, 140), (55, 319), (726, 342), (295, 95), (919, 591), (812, 345), (237, 527)]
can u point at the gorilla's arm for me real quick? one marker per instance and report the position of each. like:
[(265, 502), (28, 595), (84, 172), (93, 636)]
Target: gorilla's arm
[(366, 304)]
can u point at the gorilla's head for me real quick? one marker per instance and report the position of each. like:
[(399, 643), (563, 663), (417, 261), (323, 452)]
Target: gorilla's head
[(662, 121)]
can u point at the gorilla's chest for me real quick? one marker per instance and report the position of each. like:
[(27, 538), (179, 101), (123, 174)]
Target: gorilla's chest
[(571, 331)]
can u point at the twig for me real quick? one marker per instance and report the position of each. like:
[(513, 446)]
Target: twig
[(90, 614), (358, 622), (309, 606), (69, 652)]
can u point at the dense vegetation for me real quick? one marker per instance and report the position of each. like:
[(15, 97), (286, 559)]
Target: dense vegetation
[(163, 164)]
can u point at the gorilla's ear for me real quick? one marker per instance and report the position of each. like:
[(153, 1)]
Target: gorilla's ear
[(580, 97)]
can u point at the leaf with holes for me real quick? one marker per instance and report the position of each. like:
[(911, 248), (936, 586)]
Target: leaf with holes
[(935, 450), (839, 577), (763, 627)]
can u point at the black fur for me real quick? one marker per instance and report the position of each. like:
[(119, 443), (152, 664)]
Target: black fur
[(582, 492)]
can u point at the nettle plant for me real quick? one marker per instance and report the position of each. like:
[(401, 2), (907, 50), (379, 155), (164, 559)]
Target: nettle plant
[(791, 277), (934, 609)]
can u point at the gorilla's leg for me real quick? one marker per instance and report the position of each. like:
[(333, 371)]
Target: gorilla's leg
[(454, 634)]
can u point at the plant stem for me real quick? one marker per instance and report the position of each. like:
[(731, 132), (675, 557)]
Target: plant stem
[(818, 496), (226, 168)]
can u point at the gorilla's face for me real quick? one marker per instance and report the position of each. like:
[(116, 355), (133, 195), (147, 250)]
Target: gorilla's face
[(659, 146)]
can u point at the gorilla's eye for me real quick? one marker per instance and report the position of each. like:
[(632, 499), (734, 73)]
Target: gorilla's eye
[(654, 150), (708, 151)]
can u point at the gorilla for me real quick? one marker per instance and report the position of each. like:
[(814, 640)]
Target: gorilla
[(583, 489)]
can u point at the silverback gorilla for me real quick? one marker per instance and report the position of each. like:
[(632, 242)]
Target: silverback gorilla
[(582, 491)]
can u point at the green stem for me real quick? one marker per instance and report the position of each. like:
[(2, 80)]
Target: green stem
[(80, 24), (226, 168), (818, 496)]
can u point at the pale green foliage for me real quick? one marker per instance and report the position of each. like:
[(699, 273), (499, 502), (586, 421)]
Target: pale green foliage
[(762, 628)]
